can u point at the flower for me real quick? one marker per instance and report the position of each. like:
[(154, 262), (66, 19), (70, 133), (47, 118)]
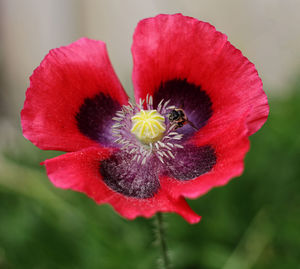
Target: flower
[(198, 99)]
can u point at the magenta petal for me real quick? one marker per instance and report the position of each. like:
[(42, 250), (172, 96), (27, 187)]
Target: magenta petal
[(80, 171), (65, 79)]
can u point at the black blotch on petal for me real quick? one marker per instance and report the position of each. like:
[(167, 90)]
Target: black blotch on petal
[(190, 97), (191, 162), (94, 118), (128, 178)]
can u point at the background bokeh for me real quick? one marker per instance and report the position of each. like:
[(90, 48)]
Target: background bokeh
[(253, 222)]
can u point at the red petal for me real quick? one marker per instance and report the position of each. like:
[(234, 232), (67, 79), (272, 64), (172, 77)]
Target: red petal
[(170, 47), (80, 171), (59, 86), (230, 145)]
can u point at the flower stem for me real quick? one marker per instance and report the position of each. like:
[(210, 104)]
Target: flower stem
[(160, 233)]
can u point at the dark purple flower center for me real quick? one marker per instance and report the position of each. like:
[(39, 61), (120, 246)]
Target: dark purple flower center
[(135, 169), (94, 118), (187, 96), (123, 175)]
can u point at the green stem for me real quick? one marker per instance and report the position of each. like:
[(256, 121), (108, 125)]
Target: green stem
[(162, 240)]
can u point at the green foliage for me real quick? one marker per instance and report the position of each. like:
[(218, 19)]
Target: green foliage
[(253, 222)]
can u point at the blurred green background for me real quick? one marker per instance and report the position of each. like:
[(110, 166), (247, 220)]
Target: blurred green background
[(253, 222)]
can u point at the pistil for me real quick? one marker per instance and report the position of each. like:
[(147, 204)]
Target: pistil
[(148, 126)]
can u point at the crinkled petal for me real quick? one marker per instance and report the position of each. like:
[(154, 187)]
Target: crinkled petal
[(230, 147), (174, 47), (72, 97), (80, 171)]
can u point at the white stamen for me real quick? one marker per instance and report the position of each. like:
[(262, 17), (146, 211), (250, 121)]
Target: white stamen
[(173, 126), (160, 158), (117, 119), (170, 144), (178, 146), (171, 154), (133, 150), (170, 107), (160, 153), (167, 147), (125, 146), (116, 125), (165, 154), (144, 160), (117, 140), (159, 105), (141, 102), (161, 143), (165, 104), (150, 100), (151, 147)]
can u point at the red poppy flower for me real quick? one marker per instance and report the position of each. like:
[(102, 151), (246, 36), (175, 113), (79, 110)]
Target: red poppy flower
[(198, 99)]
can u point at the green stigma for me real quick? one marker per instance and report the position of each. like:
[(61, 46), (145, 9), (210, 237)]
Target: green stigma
[(148, 126)]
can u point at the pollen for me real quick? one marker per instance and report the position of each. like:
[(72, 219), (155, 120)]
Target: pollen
[(148, 126)]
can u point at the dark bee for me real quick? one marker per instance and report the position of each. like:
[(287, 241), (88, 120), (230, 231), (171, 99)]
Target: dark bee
[(179, 118)]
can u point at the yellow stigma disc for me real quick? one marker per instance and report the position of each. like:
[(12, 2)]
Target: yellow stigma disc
[(148, 126)]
